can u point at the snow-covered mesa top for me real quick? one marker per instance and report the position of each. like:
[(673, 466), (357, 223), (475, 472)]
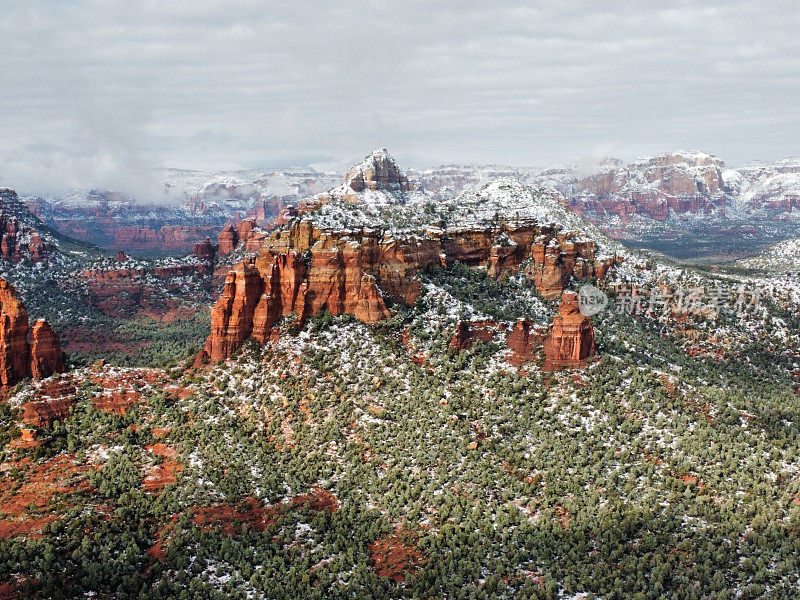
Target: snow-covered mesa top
[(383, 199)]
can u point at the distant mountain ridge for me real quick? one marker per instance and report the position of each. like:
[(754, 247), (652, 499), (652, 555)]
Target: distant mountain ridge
[(660, 195), (675, 184), (192, 205)]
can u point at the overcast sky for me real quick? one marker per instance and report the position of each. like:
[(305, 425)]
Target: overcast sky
[(94, 92)]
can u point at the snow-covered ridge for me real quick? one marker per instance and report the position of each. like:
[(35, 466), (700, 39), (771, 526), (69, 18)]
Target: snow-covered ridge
[(760, 188), (503, 201), (783, 256), (171, 187), (509, 200), (12, 209)]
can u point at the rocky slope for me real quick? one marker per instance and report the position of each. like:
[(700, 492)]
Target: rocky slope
[(766, 189), (25, 351), (781, 257), (448, 181)]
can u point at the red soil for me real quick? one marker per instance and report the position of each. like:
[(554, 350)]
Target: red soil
[(8, 591), (171, 315), (396, 555), (162, 450), (179, 392), (117, 402), (562, 516), (36, 490), (511, 471), (230, 518), (318, 500), (118, 393), (161, 475)]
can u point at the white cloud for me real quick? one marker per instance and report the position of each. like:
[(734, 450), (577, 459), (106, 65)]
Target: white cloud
[(94, 91)]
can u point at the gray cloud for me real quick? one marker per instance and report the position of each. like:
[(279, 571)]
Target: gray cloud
[(96, 91)]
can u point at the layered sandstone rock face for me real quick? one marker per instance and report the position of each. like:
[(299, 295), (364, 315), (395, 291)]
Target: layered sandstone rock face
[(124, 291), (51, 402), (249, 235), (265, 211), (246, 234), (204, 250), (304, 270), (523, 341), (466, 334), (18, 239), (570, 342), (227, 240), (168, 238), (278, 284), (681, 182), (232, 315), (40, 357), (360, 247), (13, 336)]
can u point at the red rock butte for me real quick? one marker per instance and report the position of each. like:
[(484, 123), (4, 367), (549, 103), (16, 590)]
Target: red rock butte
[(570, 342), (653, 186), (24, 350), (466, 334), (377, 172), (303, 270), (204, 250)]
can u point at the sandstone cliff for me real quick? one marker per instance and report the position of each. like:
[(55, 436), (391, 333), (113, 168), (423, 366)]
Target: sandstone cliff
[(246, 233), (524, 340), (265, 211), (45, 348), (679, 182), (304, 270), (378, 171), (19, 238), (14, 355), (467, 333), (20, 357), (360, 247), (167, 238), (122, 292), (52, 401), (204, 250)]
